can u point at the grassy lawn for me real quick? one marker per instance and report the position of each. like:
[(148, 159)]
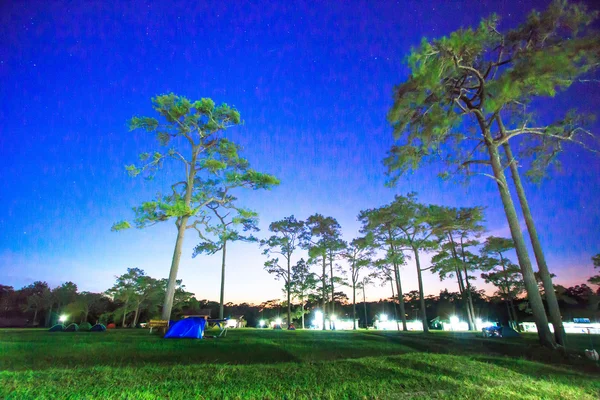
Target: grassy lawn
[(249, 363)]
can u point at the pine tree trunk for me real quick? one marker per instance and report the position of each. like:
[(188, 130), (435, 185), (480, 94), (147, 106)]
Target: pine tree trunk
[(324, 291), (398, 282), (533, 294), (465, 300), (467, 284), (546, 277), (85, 316), (124, 316), (222, 298), (332, 289), (49, 315), (400, 298), (469, 297), (35, 316), (514, 311), (365, 305), (302, 301), (289, 292), (395, 308), (170, 293), (461, 286), (353, 305), (511, 316), (137, 314), (421, 294)]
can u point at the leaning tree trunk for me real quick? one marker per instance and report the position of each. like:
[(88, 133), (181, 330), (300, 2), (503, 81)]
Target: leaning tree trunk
[(324, 290), (421, 294), (395, 308), (124, 316), (222, 298), (136, 316), (546, 277), (170, 293), (400, 297), (533, 294)]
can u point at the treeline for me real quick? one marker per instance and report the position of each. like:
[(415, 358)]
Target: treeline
[(38, 305)]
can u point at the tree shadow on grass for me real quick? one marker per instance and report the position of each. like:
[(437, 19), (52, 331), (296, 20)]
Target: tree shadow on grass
[(500, 348), (540, 370)]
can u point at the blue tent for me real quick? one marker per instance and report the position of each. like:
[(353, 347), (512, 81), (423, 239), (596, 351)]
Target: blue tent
[(57, 328), (187, 328), (98, 328)]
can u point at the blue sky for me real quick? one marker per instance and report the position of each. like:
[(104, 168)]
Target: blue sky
[(313, 83)]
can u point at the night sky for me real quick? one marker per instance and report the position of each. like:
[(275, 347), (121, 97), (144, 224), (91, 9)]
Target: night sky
[(313, 84)]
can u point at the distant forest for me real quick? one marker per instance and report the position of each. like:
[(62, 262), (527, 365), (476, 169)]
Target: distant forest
[(38, 305)]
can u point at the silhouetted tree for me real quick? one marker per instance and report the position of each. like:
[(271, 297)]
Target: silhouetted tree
[(211, 164)]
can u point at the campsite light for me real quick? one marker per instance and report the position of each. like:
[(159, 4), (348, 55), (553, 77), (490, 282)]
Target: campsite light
[(319, 315), (334, 318), (62, 318), (278, 321), (261, 323), (454, 322), (383, 317)]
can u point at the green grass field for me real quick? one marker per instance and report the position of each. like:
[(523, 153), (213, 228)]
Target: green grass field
[(258, 364)]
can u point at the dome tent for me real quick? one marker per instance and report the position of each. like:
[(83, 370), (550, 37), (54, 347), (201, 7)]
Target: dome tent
[(98, 328), (192, 328), (85, 326), (72, 328), (57, 328)]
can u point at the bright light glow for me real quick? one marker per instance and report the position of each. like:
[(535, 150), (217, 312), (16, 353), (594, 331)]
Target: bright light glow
[(570, 327), (62, 318), (478, 321), (232, 323), (340, 324), (334, 318), (383, 317), (344, 325), (319, 315), (262, 323), (414, 325), (386, 325), (278, 321), (455, 324)]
